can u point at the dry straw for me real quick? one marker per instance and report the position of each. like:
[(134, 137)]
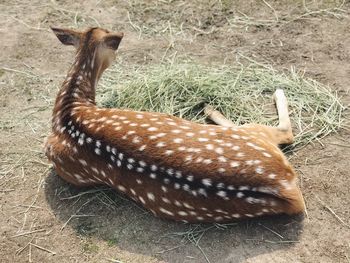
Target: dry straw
[(242, 93)]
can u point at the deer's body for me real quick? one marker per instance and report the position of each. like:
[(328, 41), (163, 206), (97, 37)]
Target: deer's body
[(175, 168)]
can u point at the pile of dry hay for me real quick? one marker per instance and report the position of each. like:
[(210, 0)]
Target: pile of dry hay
[(242, 93)]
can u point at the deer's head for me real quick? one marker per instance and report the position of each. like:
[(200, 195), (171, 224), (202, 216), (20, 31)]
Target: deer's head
[(97, 44)]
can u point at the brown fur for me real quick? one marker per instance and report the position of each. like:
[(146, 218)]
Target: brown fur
[(244, 172)]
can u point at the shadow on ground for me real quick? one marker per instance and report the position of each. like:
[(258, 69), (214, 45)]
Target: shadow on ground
[(102, 213)]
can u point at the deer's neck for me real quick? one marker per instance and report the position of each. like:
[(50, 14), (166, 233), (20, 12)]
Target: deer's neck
[(78, 89), (81, 80)]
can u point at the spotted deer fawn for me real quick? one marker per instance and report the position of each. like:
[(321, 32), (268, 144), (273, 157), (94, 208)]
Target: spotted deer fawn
[(175, 168)]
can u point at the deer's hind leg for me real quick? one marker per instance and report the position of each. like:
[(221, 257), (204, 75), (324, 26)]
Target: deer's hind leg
[(282, 134), (217, 117)]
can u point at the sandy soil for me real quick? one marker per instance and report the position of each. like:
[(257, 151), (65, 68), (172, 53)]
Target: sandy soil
[(44, 219)]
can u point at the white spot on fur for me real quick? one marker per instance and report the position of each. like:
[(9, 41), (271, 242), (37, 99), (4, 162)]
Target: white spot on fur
[(163, 210), (272, 176), (178, 140), (169, 152), (207, 182), (151, 196)]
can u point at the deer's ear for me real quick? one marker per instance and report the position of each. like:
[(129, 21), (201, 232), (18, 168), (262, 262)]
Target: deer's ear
[(67, 36), (112, 41)]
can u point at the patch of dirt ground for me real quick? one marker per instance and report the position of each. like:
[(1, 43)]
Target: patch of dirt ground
[(44, 219)]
